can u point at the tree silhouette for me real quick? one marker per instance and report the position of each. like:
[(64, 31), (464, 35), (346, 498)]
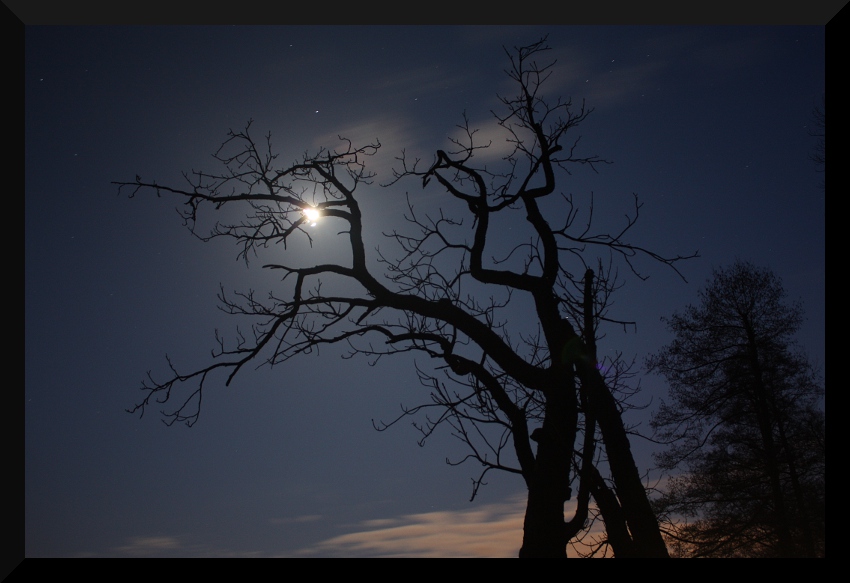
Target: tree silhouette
[(529, 400), (744, 422)]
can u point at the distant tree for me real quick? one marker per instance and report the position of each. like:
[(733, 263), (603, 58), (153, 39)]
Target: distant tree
[(530, 400), (744, 423)]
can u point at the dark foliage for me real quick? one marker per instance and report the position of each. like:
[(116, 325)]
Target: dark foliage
[(744, 423)]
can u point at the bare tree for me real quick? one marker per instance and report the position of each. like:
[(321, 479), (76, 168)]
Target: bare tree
[(532, 401)]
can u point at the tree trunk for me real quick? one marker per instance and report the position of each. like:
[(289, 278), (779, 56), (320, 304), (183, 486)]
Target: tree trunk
[(807, 546), (646, 539), (642, 522), (612, 514), (771, 458), (544, 529)]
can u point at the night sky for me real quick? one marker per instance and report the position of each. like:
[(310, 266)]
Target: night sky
[(709, 126)]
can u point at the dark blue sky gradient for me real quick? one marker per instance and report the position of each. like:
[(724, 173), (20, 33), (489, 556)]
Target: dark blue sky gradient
[(709, 126)]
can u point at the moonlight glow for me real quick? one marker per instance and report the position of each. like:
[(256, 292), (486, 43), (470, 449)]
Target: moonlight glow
[(312, 215)]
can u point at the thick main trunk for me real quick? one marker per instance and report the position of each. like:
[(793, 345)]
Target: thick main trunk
[(543, 528), (544, 531)]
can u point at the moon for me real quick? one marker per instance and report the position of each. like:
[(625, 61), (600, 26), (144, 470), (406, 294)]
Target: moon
[(312, 215)]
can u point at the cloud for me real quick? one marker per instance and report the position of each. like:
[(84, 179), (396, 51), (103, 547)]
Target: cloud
[(623, 85), (169, 546), (421, 81), (394, 130), (488, 531), (148, 546), (487, 131), (296, 519), (493, 530)]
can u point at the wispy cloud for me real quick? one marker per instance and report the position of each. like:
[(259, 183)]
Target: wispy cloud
[(394, 130), (487, 131), (493, 530), (149, 546), (170, 546), (486, 531), (296, 519), (419, 82)]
